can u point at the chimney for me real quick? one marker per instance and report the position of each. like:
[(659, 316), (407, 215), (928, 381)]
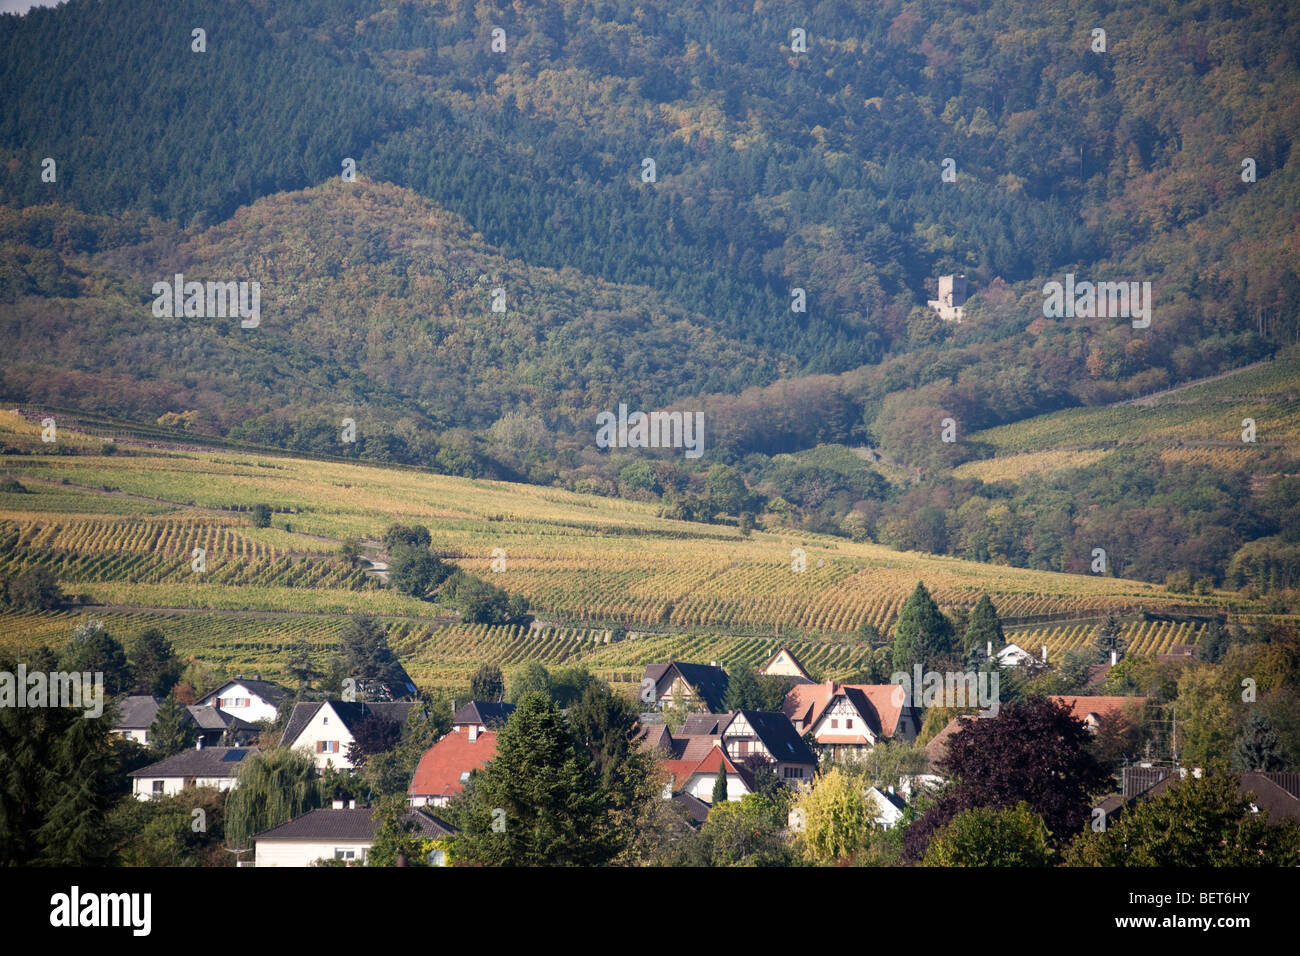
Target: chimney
[(473, 732), (352, 804), (198, 744), (1044, 653), (338, 804), (990, 654), (1114, 657)]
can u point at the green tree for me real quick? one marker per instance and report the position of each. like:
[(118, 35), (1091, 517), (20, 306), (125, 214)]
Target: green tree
[(745, 832), (261, 516), (1196, 822), (396, 840), (832, 819), (984, 628), (725, 489), (415, 570), (365, 654), (273, 787), (350, 552), (173, 730), (35, 589), (983, 836), (94, 650), (720, 786), (528, 677), (487, 684), (922, 635), (1256, 746), (541, 795), (154, 663)]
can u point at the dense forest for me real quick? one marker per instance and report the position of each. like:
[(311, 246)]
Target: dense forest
[(781, 161)]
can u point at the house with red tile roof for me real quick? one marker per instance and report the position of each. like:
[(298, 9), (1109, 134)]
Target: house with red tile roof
[(445, 767), (1091, 709), (847, 718), (700, 781)]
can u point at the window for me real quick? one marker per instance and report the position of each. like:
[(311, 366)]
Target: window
[(344, 853), (834, 724), (849, 723), (327, 746), (464, 777), (158, 786)]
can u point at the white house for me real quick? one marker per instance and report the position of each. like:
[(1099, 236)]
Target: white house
[(700, 782), (783, 663), (752, 735), (1013, 655), (326, 729), (889, 806), (849, 719), (249, 700), (135, 715), (335, 834), (213, 767)]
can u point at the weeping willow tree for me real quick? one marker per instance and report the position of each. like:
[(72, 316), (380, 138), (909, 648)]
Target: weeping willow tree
[(274, 787)]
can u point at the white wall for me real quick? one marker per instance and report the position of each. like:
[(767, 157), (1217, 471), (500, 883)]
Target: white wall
[(325, 725), (142, 787), (700, 786), (258, 709), (304, 852)]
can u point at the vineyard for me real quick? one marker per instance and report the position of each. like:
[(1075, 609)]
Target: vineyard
[(120, 531), (1141, 638)]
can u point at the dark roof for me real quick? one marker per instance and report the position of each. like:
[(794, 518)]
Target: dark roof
[(208, 717), (697, 725), (204, 762), (487, 713), (350, 712), (697, 810), (779, 737), (269, 691), (353, 824), (711, 681), (136, 713)]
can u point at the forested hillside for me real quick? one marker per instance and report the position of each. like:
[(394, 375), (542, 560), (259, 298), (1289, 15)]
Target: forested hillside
[(781, 161)]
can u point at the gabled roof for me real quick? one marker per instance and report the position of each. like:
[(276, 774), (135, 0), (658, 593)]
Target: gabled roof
[(803, 674), (487, 713), (711, 681), (204, 762), (356, 825), (136, 713), (937, 748), (269, 691), (1082, 707), (696, 724), (440, 771), (716, 760), (881, 705), (209, 718), (778, 736), (351, 713), (697, 810)]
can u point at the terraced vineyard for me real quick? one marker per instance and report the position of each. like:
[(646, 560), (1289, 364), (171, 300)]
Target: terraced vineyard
[(586, 564), (1141, 638)]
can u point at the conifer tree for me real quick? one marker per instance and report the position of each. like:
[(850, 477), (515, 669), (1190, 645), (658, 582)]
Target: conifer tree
[(923, 635)]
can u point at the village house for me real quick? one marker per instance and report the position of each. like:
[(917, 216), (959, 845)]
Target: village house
[(699, 783), (677, 682), (136, 715), (213, 767), (741, 739), (752, 736), (249, 700), (326, 729), (1091, 710), (480, 714), (846, 719), (337, 833), (445, 767), (783, 663)]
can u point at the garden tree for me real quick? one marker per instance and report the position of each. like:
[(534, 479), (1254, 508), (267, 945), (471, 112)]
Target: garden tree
[(1214, 642), (1119, 737), (480, 602), (390, 771), (745, 832), (1108, 637), (540, 792), (868, 633), (487, 684), (833, 819), (747, 690), (166, 832), (396, 841), (683, 706), (1256, 746), (528, 677), (987, 836), (1034, 751), (350, 551), (411, 536), (374, 735), (33, 589), (365, 654), (415, 570), (959, 618), (1207, 712), (887, 764), (568, 684), (304, 672), (93, 649), (261, 516), (58, 781), (154, 663), (1196, 822), (273, 787), (604, 723), (719, 795), (173, 729), (922, 635), (984, 627)]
